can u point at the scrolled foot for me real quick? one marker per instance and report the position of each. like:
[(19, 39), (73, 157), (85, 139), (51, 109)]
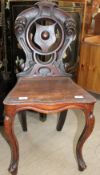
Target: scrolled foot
[(13, 168), (81, 165)]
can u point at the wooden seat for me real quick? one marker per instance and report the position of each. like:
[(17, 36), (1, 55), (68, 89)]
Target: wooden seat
[(45, 33), (49, 91)]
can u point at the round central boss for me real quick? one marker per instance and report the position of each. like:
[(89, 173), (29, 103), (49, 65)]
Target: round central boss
[(45, 35)]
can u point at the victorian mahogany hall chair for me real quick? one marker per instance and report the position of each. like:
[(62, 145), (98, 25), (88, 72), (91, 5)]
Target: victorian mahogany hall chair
[(45, 32)]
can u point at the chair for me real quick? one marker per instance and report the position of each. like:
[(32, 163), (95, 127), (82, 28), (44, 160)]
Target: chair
[(45, 32)]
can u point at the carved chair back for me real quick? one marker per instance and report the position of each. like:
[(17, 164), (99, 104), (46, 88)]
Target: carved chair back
[(44, 32)]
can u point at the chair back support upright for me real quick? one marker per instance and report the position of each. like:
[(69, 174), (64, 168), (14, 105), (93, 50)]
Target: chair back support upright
[(45, 33)]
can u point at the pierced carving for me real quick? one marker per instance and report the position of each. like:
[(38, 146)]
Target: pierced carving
[(44, 30)]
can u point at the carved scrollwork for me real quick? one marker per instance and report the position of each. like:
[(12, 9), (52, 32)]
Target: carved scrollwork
[(70, 27), (20, 25), (45, 34)]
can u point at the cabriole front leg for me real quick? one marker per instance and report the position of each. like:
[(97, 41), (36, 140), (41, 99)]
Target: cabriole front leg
[(89, 125), (8, 125)]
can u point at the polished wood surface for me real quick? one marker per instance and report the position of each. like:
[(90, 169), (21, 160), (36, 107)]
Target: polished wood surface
[(44, 85), (47, 90), (89, 69), (93, 40)]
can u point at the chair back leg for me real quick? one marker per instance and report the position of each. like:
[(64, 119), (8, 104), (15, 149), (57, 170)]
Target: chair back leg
[(61, 120), (23, 120)]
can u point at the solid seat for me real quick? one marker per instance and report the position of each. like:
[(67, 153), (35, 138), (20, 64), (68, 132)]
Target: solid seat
[(56, 90)]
